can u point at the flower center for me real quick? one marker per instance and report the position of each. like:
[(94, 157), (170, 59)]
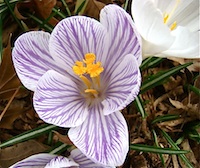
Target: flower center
[(167, 16), (89, 72)]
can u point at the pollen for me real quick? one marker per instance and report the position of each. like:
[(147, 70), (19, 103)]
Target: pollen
[(94, 69), (79, 68), (167, 16), (89, 58), (173, 26), (89, 72)]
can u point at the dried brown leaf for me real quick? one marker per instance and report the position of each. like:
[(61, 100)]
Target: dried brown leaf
[(93, 9), (13, 154), (9, 81), (191, 157), (14, 111), (63, 138), (41, 8), (194, 67), (44, 9)]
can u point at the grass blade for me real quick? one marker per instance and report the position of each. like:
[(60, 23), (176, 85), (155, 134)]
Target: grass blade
[(166, 117), (154, 149), (41, 23), (139, 106), (194, 89), (150, 62), (173, 144), (157, 145), (29, 135), (66, 8), (158, 78), (80, 7), (59, 148), (13, 15)]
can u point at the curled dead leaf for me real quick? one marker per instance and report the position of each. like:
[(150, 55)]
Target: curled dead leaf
[(9, 81), (41, 8), (13, 154), (63, 138), (93, 9)]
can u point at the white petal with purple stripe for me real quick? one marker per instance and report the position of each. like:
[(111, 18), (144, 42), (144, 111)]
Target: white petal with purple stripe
[(121, 34), (73, 37), (103, 139), (35, 161), (32, 59), (123, 85), (61, 162), (83, 161), (57, 100), (44, 160)]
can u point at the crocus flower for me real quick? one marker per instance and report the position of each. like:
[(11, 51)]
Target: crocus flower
[(44, 160), (82, 75), (169, 28)]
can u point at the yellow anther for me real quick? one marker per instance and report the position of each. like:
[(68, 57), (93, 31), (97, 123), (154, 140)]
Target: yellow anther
[(166, 16), (89, 72), (89, 58), (78, 68), (86, 81), (173, 26), (92, 91), (94, 70)]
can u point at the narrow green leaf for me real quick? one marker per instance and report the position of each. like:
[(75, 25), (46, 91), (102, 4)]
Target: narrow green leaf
[(166, 117), (66, 7), (29, 135), (194, 89), (150, 62), (58, 12), (13, 15), (3, 4), (48, 28), (59, 148), (157, 79), (154, 149), (173, 144), (80, 7), (126, 5), (139, 106), (157, 145)]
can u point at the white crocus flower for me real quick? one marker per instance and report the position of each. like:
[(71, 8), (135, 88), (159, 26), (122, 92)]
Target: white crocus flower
[(170, 28)]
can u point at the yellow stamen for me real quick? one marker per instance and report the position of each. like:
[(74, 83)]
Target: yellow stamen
[(173, 26), (89, 58), (93, 91), (88, 67), (96, 80), (78, 68), (166, 16), (94, 69), (86, 81)]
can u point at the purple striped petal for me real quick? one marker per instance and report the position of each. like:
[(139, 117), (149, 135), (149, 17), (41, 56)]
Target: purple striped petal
[(83, 161), (122, 35), (61, 162), (103, 139), (58, 101), (123, 85), (73, 37), (44, 160), (34, 161), (32, 59)]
